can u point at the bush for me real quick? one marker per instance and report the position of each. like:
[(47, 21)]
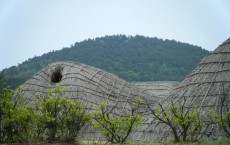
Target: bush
[(15, 120), (116, 129), (223, 117), (186, 123), (51, 117), (59, 118)]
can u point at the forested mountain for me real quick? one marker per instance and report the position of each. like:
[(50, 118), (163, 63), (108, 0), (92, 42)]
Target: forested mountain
[(133, 58)]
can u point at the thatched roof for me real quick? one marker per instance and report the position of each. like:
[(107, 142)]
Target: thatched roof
[(209, 82)]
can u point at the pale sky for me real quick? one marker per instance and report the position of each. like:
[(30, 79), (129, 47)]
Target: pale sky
[(34, 27)]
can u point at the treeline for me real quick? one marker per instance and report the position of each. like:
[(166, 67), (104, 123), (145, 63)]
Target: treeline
[(133, 58)]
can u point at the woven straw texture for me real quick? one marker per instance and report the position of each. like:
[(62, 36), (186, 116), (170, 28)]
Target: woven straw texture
[(208, 84)]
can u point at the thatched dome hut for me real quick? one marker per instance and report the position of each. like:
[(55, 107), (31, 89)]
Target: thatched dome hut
[(208, 84)]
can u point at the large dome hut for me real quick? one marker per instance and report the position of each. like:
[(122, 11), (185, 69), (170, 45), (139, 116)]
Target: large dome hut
[(208, 86)]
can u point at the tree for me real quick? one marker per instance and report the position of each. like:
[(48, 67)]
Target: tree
[(15, 120), (77, 117), (57, 117), (223, 119), (1, 77), (186, 123), (2, 83), (116, 128)]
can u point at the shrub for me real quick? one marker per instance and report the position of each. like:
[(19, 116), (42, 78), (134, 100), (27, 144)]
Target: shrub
[(186, 123), (15, 120), (76, 118), (223, 117), (57, 117), (116, 129)]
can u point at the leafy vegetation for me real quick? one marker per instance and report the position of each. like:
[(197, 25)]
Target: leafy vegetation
[(219, 142), (223, 117), (133, 58), (130, 142), (52, 118), (59, 118), (15, 120), (116, 128), (186, 123)]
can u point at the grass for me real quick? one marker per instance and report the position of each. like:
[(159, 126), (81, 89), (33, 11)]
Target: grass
[(216, 142)]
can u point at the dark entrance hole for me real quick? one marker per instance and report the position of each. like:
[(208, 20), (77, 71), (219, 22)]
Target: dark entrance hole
[(56, 75)]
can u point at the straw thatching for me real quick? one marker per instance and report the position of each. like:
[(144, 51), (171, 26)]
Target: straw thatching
[(208, 85)]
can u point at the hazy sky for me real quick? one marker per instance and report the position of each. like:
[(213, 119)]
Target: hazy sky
[(34, 27)]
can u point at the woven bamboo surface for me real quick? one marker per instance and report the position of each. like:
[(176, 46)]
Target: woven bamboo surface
[(208, 85)]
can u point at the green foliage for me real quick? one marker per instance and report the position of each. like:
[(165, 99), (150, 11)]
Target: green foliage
[(116, 128), (49, 114), (187, 124), (51, 118), (224, 121), (57, 117), (76, 119), (15, 120), (133, 58), (2, 83), (223, 117), (132, 142)]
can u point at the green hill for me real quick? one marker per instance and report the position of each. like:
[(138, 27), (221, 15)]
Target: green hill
[(133, 58)]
